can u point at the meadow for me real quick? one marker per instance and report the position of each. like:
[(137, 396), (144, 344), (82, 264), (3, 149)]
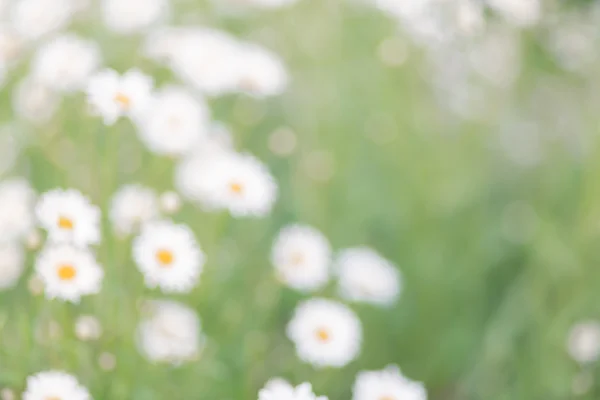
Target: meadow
[(471, 162)]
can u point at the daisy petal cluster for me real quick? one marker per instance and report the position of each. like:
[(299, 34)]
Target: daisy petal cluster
[(66, 266), (170, 332), (126, 17), (216, 63), (113, 96), (365, 276), (17, 200), (168, 256), (12, 260), (301, 256), (263, 4), (69, 216), (33, 19), (17, 222), (175, 122), (279, 389), (583, 342), (325, 333), (236, 182), (68, 272), (132, 206), (388, 383), (54, 385), (65, 62)]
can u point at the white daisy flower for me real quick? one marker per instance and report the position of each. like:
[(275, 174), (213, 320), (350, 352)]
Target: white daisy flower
[(191, 176), (113, 96), (170, 332), (132, 16), (68, 216), (162, 44), (51, 385), (583, 343), (169, 256), (34, 102), (68, 272), (278, 384), (17, 218), (301, 256), (386, 384), (32, 19), (267, 4), (66, 62), (12, 259), (132, 206), (236, 182), (209, 60), (325, 333), (262, 73), (11, 46), (175, 122), (365, 276), (523, 13), (281, 390)]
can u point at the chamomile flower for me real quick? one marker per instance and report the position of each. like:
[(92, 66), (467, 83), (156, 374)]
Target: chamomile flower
[(113, 96), (267, 4), (34, 102), (131, 16), (12, 260), (175, 122), (365, 276), (519, 12), (32, 19), (54, 385), (169, 332), (583, 342), (236, 182), (17, 218), (209, 60), (168, 256), (11, 46), (68, 216), (325, 333), (385, 384), (161, 44), (281, 390), (66, 62), (191, 177), (132, 206), (263, 74), (68, 272), (301, 257)]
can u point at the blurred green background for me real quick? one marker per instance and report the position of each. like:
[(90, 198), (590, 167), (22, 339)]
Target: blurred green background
[(496, 236)]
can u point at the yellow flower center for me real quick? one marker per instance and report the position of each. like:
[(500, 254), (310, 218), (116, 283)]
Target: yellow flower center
[(123, 100), (248, 84), (164, 257), (323, 335), (386, 398), (53, 398), (65, 223), (66, 272), (296, 259), (236, 188)]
